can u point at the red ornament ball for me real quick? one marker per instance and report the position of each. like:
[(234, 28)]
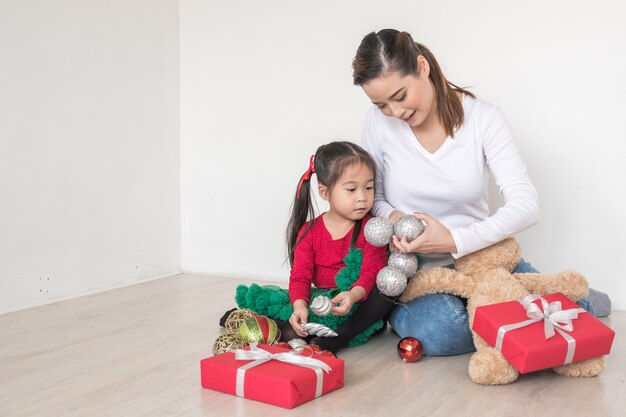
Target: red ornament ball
[(409, 349)]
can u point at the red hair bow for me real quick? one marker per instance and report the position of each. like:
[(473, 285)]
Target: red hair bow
[(307, 175)]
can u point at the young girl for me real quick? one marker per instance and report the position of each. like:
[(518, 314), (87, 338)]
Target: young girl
[(345, 175), (329, 254)]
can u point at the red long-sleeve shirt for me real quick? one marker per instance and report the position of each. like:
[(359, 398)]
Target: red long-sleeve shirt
[(318, 258)]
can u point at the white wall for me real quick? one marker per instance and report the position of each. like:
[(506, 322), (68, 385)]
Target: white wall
[(89, 128), (263, 83), (89, 156)]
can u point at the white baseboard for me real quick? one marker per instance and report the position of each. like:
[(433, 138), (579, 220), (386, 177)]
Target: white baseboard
[(88, 292)]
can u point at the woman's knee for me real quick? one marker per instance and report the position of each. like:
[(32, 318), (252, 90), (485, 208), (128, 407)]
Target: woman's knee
[(439, 321), (524, 267)]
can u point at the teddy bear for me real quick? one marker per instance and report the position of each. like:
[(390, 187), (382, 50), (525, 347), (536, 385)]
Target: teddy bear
[(484, 277)]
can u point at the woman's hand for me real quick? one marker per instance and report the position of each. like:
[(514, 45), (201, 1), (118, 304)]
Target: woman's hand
[(435, 239), (299, 316), (343, 302)]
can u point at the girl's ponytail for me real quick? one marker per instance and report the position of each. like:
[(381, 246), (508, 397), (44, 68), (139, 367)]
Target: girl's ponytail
[(302, 210)]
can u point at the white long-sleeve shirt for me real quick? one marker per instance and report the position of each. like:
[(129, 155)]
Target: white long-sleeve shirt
[(451, 183)]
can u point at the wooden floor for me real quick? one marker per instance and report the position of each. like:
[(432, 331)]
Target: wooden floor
[(135, 351)]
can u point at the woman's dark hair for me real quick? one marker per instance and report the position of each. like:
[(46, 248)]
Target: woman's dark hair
[(330, 161), (389, 51)]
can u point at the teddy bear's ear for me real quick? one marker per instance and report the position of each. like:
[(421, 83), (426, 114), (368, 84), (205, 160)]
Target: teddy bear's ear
[(504, 254)]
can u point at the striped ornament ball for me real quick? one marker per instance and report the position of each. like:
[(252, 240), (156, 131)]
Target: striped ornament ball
[(259, 329)]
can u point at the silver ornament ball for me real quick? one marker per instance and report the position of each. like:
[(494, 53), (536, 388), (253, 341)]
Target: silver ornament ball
[(378, 231), (390, 281), (408, 226), (405, 262)]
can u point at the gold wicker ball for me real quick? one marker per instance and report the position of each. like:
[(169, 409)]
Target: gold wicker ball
[(227, 343), (236, 319)]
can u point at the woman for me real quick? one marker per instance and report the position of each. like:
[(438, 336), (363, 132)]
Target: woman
[(434, 145)]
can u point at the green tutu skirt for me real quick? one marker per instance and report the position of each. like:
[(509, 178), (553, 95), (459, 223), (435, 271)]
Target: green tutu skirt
[(273, 301)]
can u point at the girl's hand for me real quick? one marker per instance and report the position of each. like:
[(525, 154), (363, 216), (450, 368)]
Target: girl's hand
[(299, 316), (394, 216), (435, 239), (343, 302), (393, 219)]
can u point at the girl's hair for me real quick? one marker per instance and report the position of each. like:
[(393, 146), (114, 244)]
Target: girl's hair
[(329, 163), (390, 50)]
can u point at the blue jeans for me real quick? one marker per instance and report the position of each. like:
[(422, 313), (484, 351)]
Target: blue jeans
[(440, 321)]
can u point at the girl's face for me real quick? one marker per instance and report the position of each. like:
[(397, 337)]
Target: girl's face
[(352, 196), (409, 98)]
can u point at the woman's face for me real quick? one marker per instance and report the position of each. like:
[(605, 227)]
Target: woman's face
[(409, 98)]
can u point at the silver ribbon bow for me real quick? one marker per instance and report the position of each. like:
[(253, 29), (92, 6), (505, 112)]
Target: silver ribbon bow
[(259, 356), (554, 319)]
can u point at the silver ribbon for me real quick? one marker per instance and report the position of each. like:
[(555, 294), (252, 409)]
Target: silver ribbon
[(259, 356), (554, 319)]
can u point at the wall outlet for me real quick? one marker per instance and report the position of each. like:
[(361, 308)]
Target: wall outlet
[(44, 285)]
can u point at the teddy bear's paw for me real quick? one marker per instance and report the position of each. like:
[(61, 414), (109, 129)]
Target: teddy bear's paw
[(584, 369), (488, 367), (572, 284)]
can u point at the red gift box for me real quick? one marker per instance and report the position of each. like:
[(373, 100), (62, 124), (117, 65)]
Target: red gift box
[(528, 348), (271, 380)]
